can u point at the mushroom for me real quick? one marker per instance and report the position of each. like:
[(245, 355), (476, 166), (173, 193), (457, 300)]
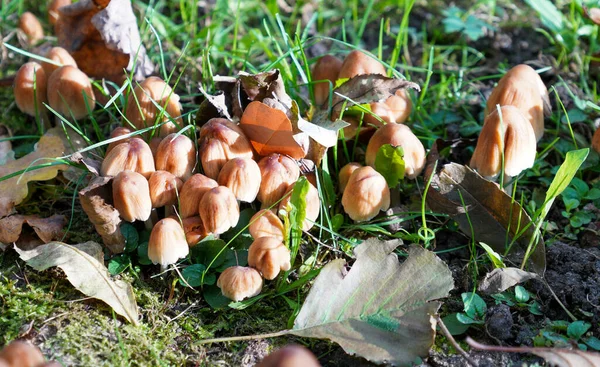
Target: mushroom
[(119, 131), (31, 27), (269, 256), (326, 68), (366, 194), (242, 176), (511, 135), (596, 141), (398, 135), (220, 141), (154, 143), (395, 109), (344, 174), (192, 192), (194, 230), (265, 223), (70, 92), (60, 56), (290, 356), (176, 154), (238, 282), (131, 196), (313, 205), (164, 187), (21, 354), (53, 12), (219, 210), (522, 88), (133, 154), (358, 63), (278, 172), (141, 110), (167, 243), (30, 90)]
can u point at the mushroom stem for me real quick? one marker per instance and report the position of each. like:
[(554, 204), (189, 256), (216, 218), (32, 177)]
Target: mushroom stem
[(149, 223), (394, 197)]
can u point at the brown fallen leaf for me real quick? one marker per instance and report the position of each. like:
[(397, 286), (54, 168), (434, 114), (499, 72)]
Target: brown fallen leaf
[(96, 201), (265, 85), (270, 131), (103, 38), (13, 190), (45, 229)]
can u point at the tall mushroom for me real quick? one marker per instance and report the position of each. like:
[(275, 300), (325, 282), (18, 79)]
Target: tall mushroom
[(60, 56), (70, 92), (31, 27), (30, 90), (134, 154), (366, 194), (176, 153), (327, 68)]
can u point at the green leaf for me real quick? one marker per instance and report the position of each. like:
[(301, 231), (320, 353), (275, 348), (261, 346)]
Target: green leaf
[(390, 163), (210, 251), (577, 329), (454, 326), (233, 258), (550, 16), (142, 252), (298, 202), (535, 308), (193, 275), (474, 305), (521, 294), (593, 343), (83, 264), (214, 297), (379, 304), (118, 264), (580, 218), (495, 258), (464, 319), (131, 237), (243, 240)]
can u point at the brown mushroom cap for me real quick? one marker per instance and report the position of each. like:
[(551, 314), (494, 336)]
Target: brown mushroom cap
[(164, 187), (131, 196), (395, 109), (326, 68), (596, 141), (398, 135), (142, 111), (513, 135), (269, 256), (265, 223), (31, 89), (313, 205), (21, 354), (176, 154), (219, 210), (290, 356), (358, 63), (522, 88), (134, 154), (31, 26), (242, 176), (60, 56), (119, 131), (53, 13), (192, 192), (220, 141), (70, 92), (238, 282), (167, 242), (194, 230), (278, 172), (344, 174), (366, 194)]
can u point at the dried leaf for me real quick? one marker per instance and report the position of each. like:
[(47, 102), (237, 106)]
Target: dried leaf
[(92, 165), (270, 131), (554, 356), (6, 152), (84, 267), (499, 280), (265, 85), (46, 229), (487, 211), (104, 40), (380, 310), (368, 88), (324, 132), (14, 190), (212, 106), (96, 201)]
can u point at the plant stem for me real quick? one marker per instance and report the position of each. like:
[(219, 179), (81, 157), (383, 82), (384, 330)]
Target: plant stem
[(246, 337), (456, 346)]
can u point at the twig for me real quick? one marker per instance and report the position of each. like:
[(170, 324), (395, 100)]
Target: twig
[(456, 346), (247, 337)]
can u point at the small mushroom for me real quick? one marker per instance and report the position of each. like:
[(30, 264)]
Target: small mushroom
[(238, 283), (134, 155), (167, 243), (119, 131), (290, 356), (131, 196), (60, 56), (53, 12), (395, 109), (31, 27), (219, 210), (220, 141), (522, 88), (313, 205), (164, 187), (269, 256), (596, 141), (192, 192), (366, 194), (358, 63), (70, 92), (30, 90), (345, 172), (511, 135), (154, 143), (21, 354), (194, 230), (278, 172), (265, 223), (326, 68), (242, 176), (176, 154), (141, 110), (398, 135)]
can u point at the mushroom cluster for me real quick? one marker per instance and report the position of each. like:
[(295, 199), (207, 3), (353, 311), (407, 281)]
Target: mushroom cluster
[(23, 354)]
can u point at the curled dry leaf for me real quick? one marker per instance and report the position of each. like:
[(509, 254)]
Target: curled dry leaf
[(103, 38), (96, 201), (45, 229), (212, 106), (83, 265), (265, 85), (14, 190), (499, 280)]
